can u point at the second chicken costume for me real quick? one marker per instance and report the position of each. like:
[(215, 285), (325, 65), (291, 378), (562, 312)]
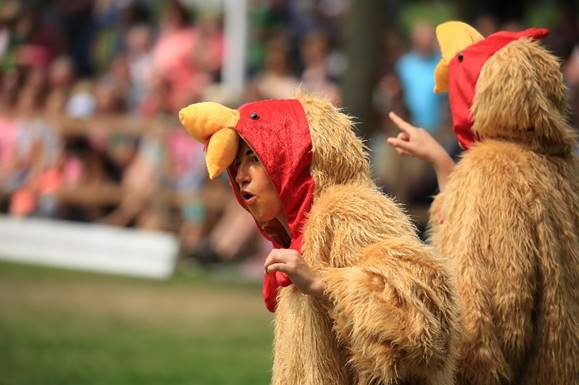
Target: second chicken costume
[(510, 209), (390, 318)]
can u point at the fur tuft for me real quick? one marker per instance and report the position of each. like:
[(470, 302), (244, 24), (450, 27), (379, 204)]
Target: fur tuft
[(339, 156)]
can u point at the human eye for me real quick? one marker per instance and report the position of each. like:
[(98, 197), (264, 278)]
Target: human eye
[(251, 156)]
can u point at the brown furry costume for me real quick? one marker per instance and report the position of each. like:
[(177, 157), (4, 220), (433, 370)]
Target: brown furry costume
[(391, 316), (510, 229), (392, 311)]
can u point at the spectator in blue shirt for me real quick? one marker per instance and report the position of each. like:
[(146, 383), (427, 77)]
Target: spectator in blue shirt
[(416, 73)]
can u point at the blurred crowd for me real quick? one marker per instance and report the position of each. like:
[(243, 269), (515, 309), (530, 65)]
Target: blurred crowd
[(89, 91)]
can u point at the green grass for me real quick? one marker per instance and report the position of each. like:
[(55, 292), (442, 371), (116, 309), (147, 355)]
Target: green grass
[(63, 327)]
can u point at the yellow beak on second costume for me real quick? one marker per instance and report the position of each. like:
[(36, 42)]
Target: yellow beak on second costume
[(213, 125), (453, 37)]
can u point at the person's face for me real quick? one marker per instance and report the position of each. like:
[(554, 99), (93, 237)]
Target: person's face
[(61, 72), (314, 49), (423, 38), (256, 189)]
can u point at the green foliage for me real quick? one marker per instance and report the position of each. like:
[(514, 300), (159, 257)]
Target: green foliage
[(542, 15), (434, 12)]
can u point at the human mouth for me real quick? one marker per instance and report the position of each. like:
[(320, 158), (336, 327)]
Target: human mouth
[(248, 198)]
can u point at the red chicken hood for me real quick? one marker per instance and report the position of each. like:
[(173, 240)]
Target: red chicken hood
[(464, 66), (279, 134)]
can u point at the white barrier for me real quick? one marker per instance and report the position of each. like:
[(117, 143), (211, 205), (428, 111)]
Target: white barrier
[(92, 247)]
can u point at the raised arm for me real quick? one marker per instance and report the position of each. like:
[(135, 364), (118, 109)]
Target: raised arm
[(417, 142)]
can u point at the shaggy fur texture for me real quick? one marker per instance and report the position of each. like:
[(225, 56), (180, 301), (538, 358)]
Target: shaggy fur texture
[(391, 319), (511, 214)]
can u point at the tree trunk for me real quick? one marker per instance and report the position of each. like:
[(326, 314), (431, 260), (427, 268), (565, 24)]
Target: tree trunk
[(364, 34)]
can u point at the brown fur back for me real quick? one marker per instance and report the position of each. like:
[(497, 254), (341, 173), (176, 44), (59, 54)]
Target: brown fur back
[(510, 233)]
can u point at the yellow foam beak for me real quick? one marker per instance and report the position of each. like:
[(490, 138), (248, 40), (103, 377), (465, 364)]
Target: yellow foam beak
[(453, 37), (213, 124), (221, 151)]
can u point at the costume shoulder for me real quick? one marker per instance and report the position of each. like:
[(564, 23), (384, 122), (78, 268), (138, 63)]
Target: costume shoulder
[(348, 217), (355, 200), (500, 162), (493, 157), (494, 172)]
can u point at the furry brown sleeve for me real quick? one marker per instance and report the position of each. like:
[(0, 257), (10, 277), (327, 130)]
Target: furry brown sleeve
[(392, 302)]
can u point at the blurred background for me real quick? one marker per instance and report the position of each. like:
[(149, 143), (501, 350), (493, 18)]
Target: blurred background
[(91, 150)]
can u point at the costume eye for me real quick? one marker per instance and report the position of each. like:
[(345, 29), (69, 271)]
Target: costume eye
[(460, 57)]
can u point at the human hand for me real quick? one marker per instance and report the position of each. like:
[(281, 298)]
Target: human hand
[(419, 143), (415, 141), (292, 263)]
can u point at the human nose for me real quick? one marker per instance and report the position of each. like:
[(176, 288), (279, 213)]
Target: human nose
[(242, 177)]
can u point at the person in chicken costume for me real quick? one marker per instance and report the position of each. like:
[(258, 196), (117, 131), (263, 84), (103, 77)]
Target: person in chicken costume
[(369, 303), (507, 216)]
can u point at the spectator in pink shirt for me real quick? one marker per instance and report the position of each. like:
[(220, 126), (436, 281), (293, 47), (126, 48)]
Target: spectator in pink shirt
[(173, 57)]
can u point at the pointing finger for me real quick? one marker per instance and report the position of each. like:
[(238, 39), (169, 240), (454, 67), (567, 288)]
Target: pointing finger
[(403, 125)]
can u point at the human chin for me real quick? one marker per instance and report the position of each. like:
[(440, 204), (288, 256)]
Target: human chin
[(261, 212)]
